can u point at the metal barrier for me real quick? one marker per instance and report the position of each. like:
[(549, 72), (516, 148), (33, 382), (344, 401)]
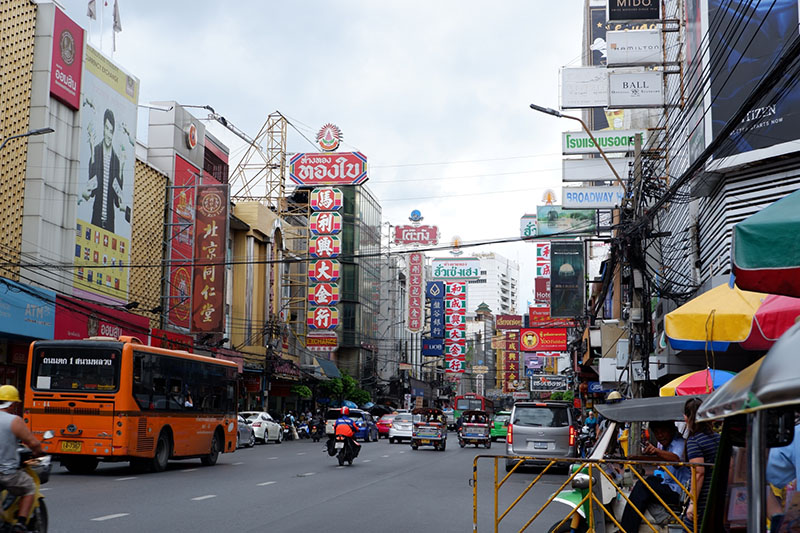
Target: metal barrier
[(591, 508)]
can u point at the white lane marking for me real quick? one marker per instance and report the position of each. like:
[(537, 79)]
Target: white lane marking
[(207, 496), (402, 452), (265, 483), (109, 517), (271, 457), (384, 456), (122, 479), (366, 460), (339, 467), (301, 453), (43, 488), (237, 464), (306, 474), (189, 470)]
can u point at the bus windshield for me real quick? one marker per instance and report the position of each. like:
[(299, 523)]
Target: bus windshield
[(465, 404), (76, 369)]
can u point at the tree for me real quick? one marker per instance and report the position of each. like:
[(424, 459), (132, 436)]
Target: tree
[(302, 391), (360, 397), (332, 388), (349, 386)]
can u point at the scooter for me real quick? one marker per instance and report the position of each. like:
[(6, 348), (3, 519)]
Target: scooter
[(317, 431), (39, 470), (345, 449), (288, 434), (302, 430), (585, 441)]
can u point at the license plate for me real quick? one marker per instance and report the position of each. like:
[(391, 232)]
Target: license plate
[(339, 445), (540, 445), (71, 446), (425, 441)]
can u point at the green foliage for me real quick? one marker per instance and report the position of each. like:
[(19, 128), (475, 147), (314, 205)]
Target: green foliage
[(302, 391), (360, 397), (332, 388), (557, 396), (349, 386)]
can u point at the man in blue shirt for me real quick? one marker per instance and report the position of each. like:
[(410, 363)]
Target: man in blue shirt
[(671, 447), (782, 465)]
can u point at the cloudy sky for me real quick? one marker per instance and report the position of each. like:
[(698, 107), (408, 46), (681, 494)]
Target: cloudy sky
[(434, 93)]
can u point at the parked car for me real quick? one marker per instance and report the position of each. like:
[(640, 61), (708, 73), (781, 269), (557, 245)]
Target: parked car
[(244, 434), (499, 427), (367, 430), (384, 424), (401, 428), (451, 419), (541, 429), (264, 426)]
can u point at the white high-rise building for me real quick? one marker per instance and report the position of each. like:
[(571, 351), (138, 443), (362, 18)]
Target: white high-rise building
[(497, 286)]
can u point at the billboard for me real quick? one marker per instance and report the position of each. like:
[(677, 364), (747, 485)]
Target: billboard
[(407, 234), (592, 197), (635, 89), (595, 169), (584, 87), (105, 180), (541, 291), (553, 220), (634, 47), (456, 268), (508, 322), (181, 243), (211, 237), (543, 339), (527, 226), (611, 141), (567, 280), (67, 60), (763, 31), (627, 10), (336, 168), (416, 292)]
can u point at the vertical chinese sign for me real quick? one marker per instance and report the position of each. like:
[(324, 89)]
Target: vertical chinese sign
[(542, 281), (211, 237), (181, 236), (511, 368), (455, 341), (324, 246), (416, 287)]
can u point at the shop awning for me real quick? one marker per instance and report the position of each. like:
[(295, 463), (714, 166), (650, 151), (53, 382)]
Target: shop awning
[(713, 320), (765, 250), (328, 368)]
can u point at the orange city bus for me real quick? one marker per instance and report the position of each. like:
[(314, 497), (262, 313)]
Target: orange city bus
[(120, 400)]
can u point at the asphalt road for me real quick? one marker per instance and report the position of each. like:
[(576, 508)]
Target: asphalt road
[(296, 486)]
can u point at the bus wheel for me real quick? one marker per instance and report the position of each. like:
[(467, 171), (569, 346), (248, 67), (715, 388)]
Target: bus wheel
[(161, 458), (211, 458), (80, 465)]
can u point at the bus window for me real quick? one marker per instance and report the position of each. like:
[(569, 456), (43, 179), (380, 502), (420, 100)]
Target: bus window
[(68, 369)]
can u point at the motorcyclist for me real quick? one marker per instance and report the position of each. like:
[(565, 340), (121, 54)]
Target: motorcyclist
[(16, 481), (345, 426)]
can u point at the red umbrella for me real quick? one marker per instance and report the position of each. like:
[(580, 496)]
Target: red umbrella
[(772, 319)]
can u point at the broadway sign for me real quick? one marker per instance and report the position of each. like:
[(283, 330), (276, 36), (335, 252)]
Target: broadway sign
[(339, 168), (428, 235)]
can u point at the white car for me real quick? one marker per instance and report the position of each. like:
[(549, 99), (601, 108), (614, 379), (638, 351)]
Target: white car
[(401, 427), (264, 426)]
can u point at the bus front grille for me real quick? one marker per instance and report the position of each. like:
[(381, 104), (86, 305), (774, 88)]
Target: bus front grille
[(57, 411), (85, 411), (143, 442)]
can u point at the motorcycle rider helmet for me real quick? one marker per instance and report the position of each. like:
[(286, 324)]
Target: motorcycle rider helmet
[(613, 396), (345, 411), (8, 395)]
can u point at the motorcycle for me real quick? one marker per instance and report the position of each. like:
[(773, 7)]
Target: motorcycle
[(303, 431), (585, 441), (288, 434), (317, 430), (39, 470), (344, 448)]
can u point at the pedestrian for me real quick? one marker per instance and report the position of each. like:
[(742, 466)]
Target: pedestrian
[(701, 447)]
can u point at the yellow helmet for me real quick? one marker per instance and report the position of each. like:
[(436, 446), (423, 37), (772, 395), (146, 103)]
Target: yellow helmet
[(9, 393), (612, 396)]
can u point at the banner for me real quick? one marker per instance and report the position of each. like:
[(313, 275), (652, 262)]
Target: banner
[(635, 89), (105, 180), (67, 61), (416, 292), (450, 269), (211, 237), (634, 47), (508, 322), (555, 221), (181, 243), (543, 339), (583, 87), (567, 280)]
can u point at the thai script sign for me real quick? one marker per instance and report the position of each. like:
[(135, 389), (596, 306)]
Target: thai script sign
[(539, 317), (543, 339), (415, 291), (65, 71), (456, 269), (553, 220), (579, 142), (408, 234), (508, 322), (592, 197), (527, 226), (634, 47), (548, 383), (635, 89), (326, 199), (211, 237), (325, 223), (338, 168), (595, 169), (584, 87)]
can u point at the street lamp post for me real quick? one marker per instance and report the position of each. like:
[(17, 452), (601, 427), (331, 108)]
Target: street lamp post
[(558, 114), (38, 131)]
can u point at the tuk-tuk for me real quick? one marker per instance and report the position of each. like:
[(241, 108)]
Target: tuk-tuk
[(429, 428), (474, 429), (611, 486)]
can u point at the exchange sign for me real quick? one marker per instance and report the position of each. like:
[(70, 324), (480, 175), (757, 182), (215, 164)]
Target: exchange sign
[(323, 318), (323, 294), (338, 168)]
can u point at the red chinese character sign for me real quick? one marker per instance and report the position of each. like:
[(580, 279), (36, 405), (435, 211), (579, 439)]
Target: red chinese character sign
[(455, 326), (323, 294), (416, 293), (211, 236), (325, 223), (338, 168), (324, 271), (326, 199), (323, 317), (324, 246)]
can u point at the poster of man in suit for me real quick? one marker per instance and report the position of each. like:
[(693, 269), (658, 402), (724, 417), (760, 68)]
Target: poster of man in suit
[(105, 180)]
